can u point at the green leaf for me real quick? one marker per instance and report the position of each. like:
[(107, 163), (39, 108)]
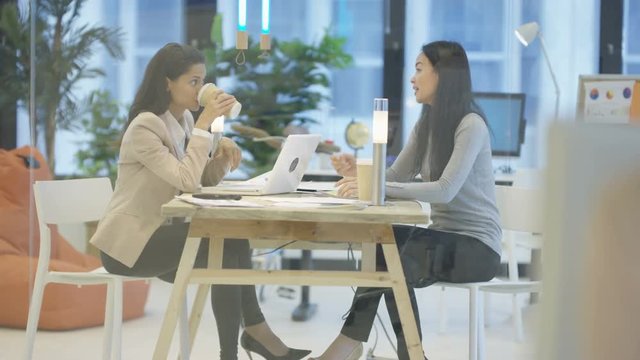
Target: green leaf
[(216, 30), (279, 90)]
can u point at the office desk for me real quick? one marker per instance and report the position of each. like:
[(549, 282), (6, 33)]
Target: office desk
[(322, 226)]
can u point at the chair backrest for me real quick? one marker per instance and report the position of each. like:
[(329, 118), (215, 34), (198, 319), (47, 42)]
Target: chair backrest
[(67, 202), (520, 208), (71, 201)]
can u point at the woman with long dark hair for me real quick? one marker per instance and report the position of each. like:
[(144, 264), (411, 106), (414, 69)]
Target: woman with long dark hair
[(450, 148), (164, 152)]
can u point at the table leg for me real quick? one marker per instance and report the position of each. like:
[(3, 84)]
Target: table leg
[(177, 298), (216, 248), (305, 309), (403, 302), (368, 257), (196, 312)]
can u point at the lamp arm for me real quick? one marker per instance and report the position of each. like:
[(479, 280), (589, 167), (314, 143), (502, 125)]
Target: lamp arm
[(553, 75)]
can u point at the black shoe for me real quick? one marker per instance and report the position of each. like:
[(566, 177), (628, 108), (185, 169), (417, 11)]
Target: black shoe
[(249, 344)]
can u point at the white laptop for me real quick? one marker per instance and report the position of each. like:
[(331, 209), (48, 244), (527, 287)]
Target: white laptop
[(286, 174)]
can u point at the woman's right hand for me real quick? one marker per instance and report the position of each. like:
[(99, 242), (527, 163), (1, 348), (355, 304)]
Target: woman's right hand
[(345, 164), (219, 104)]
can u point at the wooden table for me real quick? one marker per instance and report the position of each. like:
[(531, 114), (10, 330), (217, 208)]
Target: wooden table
[(312, 227)]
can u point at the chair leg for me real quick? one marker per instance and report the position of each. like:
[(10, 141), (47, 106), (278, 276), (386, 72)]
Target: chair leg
[(34, 314), (443, 318), (481, 324), (517, 318), (109, 318), (116, 340), (514, 275), (473, 323), (486, 308)]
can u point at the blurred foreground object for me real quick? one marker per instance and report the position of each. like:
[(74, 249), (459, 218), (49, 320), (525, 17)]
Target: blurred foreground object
[(591, 282)]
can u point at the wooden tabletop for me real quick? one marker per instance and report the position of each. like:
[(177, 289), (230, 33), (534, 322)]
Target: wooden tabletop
[(408, 212)]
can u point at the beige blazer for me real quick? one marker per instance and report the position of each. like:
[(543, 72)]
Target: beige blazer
[(149, 175)]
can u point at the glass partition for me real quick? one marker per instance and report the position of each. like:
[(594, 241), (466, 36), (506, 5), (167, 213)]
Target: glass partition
[(88, 66)]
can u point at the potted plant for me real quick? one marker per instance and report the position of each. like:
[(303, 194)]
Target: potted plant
[(103, 121), (63, 48), (276, 91)]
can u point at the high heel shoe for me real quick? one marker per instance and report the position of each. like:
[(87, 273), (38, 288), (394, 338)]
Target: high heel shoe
[(249, 344), (355, 354)]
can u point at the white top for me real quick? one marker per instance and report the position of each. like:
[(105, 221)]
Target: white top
[(179, 131)]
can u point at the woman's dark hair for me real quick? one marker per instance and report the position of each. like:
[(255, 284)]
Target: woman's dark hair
[(169, 62), (453, 100)]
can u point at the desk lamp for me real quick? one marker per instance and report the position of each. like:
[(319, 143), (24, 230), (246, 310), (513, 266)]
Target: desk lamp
[(527, 33)]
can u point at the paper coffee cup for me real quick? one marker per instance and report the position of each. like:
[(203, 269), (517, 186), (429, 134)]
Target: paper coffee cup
[(204, 95), (364, 168)]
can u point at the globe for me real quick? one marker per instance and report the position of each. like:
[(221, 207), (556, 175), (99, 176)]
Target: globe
[(356, 135)]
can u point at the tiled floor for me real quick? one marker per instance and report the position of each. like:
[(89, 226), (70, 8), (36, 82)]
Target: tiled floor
[(139, 335)]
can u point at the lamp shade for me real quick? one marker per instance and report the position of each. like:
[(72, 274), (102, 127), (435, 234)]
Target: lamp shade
[(380, 120), (528, 32)]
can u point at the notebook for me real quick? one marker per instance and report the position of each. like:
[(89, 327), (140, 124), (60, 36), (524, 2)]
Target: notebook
[(286, 174)]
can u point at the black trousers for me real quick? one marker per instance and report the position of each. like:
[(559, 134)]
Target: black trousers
[(231, 304), (427, 256)]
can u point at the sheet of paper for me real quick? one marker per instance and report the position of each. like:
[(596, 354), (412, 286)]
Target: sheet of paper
[(317, 200), (210, 203), (317, 185)]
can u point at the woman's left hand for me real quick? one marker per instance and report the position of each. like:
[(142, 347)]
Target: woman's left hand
[(348, 187), (228, 150)]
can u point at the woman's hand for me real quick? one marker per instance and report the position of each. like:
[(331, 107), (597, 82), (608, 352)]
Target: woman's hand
[(219, 104), (229, 153), (345, 164), (348, 187)]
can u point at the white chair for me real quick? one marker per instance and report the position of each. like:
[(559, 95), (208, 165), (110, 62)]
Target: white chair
[(69, 202), (520, 211)]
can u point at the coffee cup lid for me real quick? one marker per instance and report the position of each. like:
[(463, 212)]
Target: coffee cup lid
[(201, 92)]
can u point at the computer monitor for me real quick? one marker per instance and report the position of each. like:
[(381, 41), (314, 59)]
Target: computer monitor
[(505, 116)]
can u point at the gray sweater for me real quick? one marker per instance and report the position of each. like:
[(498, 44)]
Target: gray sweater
[(463, 200)]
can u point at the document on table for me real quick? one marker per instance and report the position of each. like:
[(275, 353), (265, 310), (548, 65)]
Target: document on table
[(317, 186), (275, 201), (210, 203), (310, 201)]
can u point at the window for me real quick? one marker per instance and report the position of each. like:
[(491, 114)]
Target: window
[(147, 25), (630, 40)]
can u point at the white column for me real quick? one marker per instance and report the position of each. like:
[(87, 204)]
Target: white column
[(416, 33), (571, 33), (67, 140), (127, 69), (229, 12), (318, 18)]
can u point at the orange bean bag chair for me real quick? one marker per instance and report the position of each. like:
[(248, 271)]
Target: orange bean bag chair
[(64, 306)]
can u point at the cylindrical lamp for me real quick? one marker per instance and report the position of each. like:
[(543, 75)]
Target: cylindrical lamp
[(242, 39), (380, 126), (265, 40)]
